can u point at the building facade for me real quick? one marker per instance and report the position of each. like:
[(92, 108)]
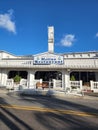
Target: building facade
[(50, 67)]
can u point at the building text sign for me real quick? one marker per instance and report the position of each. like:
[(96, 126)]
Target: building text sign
[(47, 60)]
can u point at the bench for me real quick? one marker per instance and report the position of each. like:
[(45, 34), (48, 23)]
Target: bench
[(42, 85)]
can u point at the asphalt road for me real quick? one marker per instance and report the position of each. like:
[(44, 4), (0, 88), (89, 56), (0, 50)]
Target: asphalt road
[(47, 113)]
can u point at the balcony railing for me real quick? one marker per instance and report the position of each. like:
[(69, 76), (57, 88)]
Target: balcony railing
[(68, 63)]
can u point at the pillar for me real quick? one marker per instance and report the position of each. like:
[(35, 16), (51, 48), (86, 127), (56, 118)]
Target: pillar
[(54, 83), (81, 85), (65, 79), (0, 76), (3, 76), (31, 79)]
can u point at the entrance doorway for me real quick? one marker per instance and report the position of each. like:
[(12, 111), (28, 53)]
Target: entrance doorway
[(13, 73), (84, 76), (48, 75)]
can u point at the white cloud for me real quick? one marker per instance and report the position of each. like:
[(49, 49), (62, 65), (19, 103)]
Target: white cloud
[(6, 21), (68, 40), (97, 34)]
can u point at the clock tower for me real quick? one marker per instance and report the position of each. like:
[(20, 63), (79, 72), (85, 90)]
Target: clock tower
[(51, 39)]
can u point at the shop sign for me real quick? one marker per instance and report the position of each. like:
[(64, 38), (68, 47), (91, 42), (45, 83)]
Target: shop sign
[(43, 60)]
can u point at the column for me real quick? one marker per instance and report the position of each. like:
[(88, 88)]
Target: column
[(3, 77), (65, 79), (0, 76), (81, 87), (31, 79), (54, 83), (92, 85)]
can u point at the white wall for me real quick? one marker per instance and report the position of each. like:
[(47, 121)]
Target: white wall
[(3, 77), (6, 55)]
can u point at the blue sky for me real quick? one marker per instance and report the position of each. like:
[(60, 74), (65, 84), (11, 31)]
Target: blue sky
[(24, 25)]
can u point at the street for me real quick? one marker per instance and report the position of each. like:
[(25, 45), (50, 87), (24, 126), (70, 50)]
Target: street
[(47, 113)]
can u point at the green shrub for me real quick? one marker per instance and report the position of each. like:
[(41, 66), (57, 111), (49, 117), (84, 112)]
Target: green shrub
[(17, 78), (72, 78)]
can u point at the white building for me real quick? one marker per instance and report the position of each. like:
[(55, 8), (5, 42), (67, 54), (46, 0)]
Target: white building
[(49, 66)]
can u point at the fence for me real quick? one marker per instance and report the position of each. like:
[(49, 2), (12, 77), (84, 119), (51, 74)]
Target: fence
[(55, 84), (76, 85), (10, 84), (94, 86)]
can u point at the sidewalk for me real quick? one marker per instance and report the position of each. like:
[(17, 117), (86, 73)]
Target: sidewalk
[(3, 91), (90, 96), (57, 94)]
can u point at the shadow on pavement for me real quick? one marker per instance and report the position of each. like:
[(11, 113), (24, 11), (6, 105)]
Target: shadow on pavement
[(59, 121), (10, 121)]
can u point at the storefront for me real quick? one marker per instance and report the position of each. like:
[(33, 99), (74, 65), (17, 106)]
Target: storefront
[(50, 67)]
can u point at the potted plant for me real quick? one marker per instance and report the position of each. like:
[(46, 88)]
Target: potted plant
[(72, 78), (17, 79)]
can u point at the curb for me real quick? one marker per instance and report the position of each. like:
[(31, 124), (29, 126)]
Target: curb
[(56, 94)]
